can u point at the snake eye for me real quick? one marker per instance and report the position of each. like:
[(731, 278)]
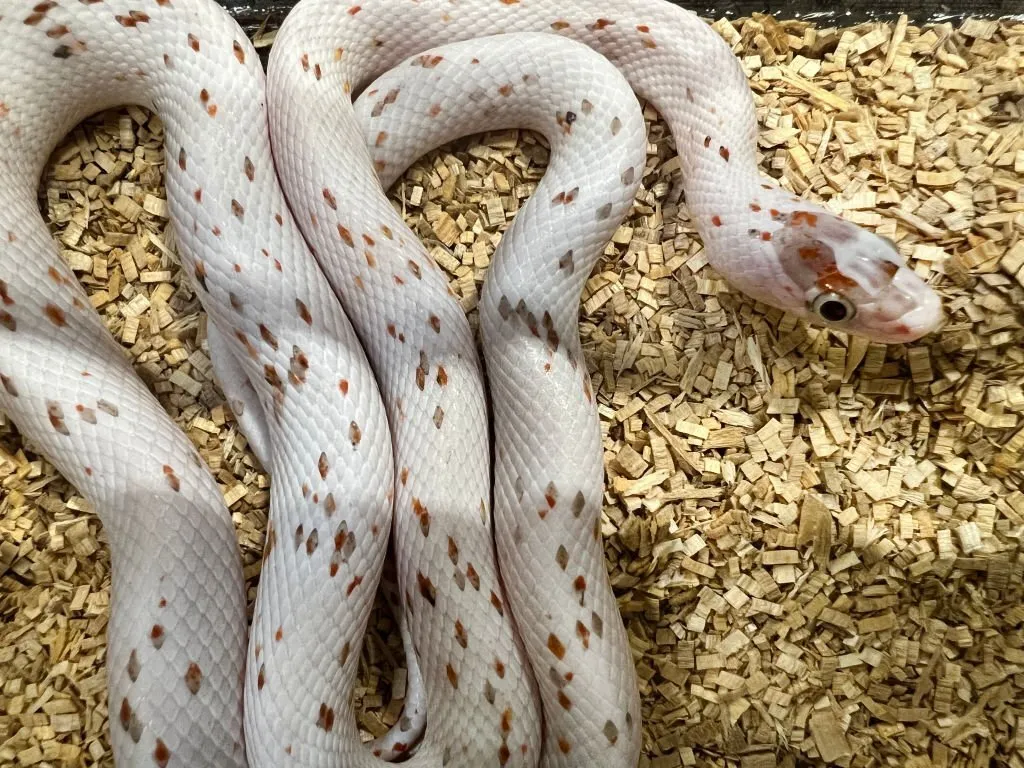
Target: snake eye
[(833, 308)]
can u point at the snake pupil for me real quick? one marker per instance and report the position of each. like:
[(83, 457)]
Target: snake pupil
[(833, 311)]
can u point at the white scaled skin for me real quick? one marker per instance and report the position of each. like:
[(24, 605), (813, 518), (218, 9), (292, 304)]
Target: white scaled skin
[(177, 635), (548, 456), (524, 664)]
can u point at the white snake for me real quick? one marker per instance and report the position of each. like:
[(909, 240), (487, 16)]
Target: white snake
[(348, 436)]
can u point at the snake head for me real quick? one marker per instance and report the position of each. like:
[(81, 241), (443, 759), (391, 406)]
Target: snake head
[(852, 280)]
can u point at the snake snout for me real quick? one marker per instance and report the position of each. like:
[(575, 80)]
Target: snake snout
[(905, 311)]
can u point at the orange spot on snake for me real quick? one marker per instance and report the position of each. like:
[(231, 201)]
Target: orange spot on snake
[(172, 479), (584, 633), (133, 19), (193, 678), (267, 336), (354, 583), (55, 314), (426, 587), (125, 715), (325, 721), (161, 754), (834, 280), (460, 634), (555, 646)]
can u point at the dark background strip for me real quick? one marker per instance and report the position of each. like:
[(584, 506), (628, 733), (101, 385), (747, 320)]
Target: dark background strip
[(253, 13)]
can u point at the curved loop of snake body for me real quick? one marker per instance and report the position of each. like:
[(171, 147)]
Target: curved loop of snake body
[(548, 456), (355, 440)]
